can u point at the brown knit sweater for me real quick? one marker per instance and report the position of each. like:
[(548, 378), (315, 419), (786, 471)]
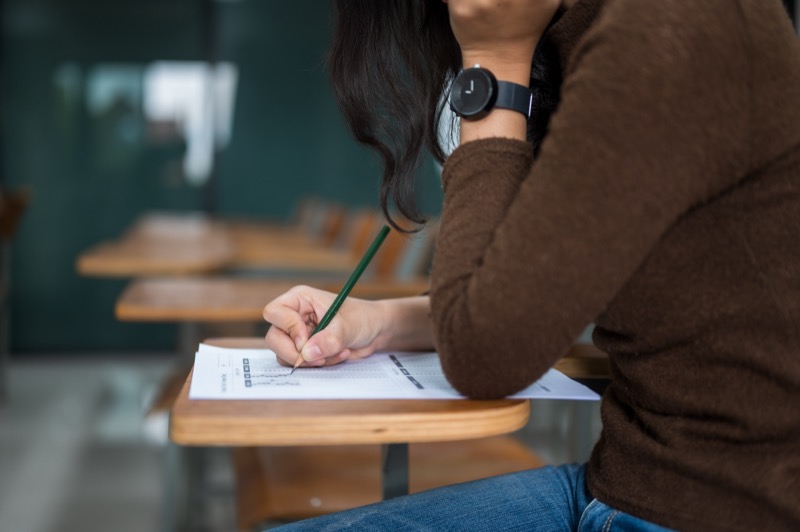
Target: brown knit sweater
[(665, 207)]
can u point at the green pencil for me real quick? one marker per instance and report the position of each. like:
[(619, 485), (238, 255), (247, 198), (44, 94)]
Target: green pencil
[(348, 286)]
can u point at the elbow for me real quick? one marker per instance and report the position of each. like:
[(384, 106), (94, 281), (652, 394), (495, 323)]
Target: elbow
[(482, 392), (479, 346), (477, 369)]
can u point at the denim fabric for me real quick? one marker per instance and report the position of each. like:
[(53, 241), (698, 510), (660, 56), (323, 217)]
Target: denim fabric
[(601, 517), (542, 500)]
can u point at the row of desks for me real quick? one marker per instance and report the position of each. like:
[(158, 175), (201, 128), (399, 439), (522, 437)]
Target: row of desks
[(182, 244), (195, 259)]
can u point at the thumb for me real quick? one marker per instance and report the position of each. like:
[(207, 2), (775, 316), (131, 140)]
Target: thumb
[(310, 350)]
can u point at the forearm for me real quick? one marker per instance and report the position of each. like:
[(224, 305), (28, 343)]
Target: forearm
[(407, 324), (557, 240)]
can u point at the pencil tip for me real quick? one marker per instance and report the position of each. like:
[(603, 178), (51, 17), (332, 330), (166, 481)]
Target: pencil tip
[(296, 364)]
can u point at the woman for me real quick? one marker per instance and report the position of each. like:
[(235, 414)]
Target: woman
[(663, 204)]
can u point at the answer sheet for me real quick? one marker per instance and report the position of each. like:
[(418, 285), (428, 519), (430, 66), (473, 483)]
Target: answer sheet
[(227, 373)]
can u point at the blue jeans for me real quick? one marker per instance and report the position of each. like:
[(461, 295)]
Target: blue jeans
[(541, 500)]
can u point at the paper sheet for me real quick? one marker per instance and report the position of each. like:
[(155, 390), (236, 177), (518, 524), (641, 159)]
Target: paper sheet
[(226, 373)]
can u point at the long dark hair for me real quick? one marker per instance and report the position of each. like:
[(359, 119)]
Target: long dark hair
[(390, 63)]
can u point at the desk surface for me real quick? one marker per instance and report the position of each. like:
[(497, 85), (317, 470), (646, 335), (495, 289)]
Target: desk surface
[(129, 259), (221, 299), (154, 244), (270, 423), (186, 245)]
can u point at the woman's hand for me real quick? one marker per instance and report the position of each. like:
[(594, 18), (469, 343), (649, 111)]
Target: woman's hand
[(359, 328), (353, 332), (501, 34)]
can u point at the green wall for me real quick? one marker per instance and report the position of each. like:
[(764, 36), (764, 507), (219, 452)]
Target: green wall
[(91, 173)]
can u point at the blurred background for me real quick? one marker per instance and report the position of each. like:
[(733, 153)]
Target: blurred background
[(214, 109), (111, 109)]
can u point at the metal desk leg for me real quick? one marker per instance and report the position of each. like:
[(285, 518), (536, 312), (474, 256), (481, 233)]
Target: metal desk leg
[(395, 470)]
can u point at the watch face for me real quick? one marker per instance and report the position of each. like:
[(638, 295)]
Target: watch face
[(474, 91)]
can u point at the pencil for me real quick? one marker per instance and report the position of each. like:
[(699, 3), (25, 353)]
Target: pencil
[(348, 286)]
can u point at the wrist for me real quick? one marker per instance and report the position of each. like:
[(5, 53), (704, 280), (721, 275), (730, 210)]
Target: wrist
[(514, 66), (383, 313), (520, 74), (403, 324), (491, 105)]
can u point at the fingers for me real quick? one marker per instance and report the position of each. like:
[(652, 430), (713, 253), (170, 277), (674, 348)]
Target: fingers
[(325, 344), (287, 354), (338, 358), (294, 313), (283, 346), (293, 317), (323, 349)]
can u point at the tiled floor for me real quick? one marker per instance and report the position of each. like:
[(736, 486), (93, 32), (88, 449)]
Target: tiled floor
[(75, 455)]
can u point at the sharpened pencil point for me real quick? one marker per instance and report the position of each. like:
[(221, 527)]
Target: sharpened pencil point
[(297, 363)]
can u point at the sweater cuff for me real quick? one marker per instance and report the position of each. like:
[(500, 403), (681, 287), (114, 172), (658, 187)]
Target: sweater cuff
[(488, 153)]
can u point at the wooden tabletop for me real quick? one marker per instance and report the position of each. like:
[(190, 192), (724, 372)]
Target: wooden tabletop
[(160, 245), (308, 258), (269, 423), (187, 244), (259, 245), (131, 259), (237, 299), (340, 422)]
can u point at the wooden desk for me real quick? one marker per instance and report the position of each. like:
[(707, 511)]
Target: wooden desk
[(160, 245), (392, 423), (272, 423), (131, 259), (267, 423), (292, 258), (258, 246), (232, 299), (292, 457), (191, 245)]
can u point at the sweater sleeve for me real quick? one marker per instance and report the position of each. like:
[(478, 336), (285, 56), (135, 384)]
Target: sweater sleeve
[(652, 123)]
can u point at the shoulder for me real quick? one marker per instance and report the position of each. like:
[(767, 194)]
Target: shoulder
[(690, 13), (712, 24), (678, 34)]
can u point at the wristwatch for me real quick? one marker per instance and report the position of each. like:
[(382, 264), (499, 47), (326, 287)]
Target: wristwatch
[(475, 92)]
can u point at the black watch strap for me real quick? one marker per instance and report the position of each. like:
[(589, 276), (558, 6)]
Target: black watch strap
[(514, 96)]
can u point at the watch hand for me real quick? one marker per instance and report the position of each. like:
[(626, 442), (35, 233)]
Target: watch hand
[(471, 87)]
